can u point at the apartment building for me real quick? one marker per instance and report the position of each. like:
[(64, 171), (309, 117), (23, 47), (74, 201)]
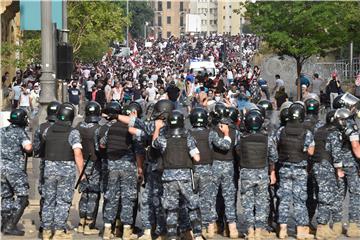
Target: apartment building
[(170, 18)]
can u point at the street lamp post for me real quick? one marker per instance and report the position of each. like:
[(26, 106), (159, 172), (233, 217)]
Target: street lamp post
[(145, 27), (127, 25)]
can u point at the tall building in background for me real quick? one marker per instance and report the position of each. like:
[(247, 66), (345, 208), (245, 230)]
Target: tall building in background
[(169, 19), (216, 16), (228, 21)]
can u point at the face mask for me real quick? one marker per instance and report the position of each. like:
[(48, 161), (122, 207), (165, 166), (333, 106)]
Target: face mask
[(36, 90), (217, 98)]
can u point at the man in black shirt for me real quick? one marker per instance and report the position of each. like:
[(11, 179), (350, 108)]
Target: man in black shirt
[(74, 95), (173, 93)]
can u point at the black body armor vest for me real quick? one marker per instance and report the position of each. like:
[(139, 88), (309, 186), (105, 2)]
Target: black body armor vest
[(202, 143), (253, 153), (87, 137), (222, 155), (42, 129), (320, 142), (57, 143), (292, 143), (176, 155), (119, 141)]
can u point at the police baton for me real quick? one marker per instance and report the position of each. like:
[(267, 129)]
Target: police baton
[(192, 180), (82, 172)]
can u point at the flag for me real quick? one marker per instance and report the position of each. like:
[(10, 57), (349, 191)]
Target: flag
[(133, 65), (135, 49)]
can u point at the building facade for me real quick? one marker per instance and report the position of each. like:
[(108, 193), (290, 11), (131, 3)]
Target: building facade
[(216, 16), (169, 19)]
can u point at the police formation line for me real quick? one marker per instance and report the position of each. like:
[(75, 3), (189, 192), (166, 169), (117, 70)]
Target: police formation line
[(190, 176)]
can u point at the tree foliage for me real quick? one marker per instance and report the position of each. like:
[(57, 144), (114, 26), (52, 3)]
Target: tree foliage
[(140, 12), (304, 29), (28, 51), (93, 25)]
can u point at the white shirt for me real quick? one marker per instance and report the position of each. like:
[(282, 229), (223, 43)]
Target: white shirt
[(279, 82), (89, 85), (151, 93)]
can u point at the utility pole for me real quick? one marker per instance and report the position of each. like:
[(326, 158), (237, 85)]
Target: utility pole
[(64, 22), (351, 74), (127, 25), (47, 79)]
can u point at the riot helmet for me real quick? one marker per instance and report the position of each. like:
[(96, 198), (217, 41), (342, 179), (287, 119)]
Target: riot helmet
[(162, 109), (51, 110), (330, 117), (297, 111), (284, 112), (199, 117), (346, 100), (112, 107), (176, 120), (266, 104), (340, 117), (234, 114), (219, 114), (19, 117), (253, 120), (261, 109), (133, 106), (312, 106), (92, 112), (66, 112)]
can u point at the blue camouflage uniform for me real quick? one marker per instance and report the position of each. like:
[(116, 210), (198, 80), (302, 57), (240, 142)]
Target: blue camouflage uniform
[(39, 152), (330, 189), (203, 174), (254, 189), (177, 183), (152, 212), (121, 182), (14, 182), (58, 187), (293, 184), (344, 158), (223, 173), (89, 200)]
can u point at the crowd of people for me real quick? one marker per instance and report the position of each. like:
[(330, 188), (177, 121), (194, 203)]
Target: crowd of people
[(135, 134)]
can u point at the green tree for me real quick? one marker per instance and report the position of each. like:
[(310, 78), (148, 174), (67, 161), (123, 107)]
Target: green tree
[(140, 12), (303, 29), (93, 25)]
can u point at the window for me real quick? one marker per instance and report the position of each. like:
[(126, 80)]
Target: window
[(159, 6), (181, 21), (181, 6), (159, 21), (215, 22), (168, 20), (224, 7), (223, 17), (168, 34), (159, 35), (168, 5), (230, 6), (230, 16)]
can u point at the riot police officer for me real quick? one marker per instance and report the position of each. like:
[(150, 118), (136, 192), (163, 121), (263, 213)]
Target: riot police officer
[(327, 184), (90, 186), (223, 140), (60, 172), (14, 182), (121, 187), (39, 151), (257, 157), (294, 145), (178, 149), (345, 150), (312, 122), (203, 172), (284, 113)]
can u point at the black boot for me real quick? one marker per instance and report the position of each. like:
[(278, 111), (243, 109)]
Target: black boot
[(11, 228), (5, 216)]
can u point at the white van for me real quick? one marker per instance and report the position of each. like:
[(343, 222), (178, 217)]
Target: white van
[(200, 66)]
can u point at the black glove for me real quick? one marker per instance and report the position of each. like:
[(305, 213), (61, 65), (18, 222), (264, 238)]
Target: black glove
[(83, 185)]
